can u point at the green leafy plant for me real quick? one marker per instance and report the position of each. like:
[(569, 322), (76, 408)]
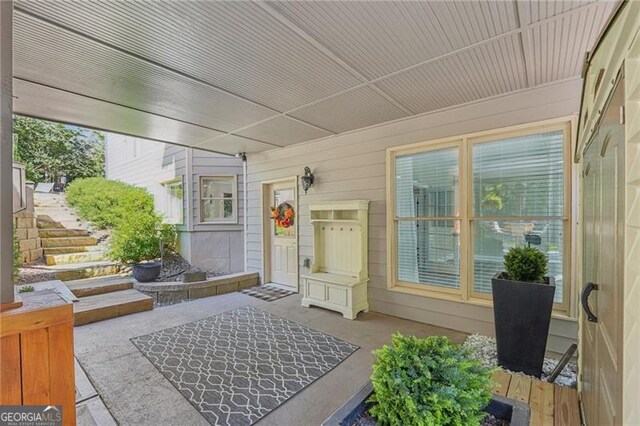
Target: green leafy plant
[(26, 289), (138, 239), (106, 203), (17, 256), (428, 382), (526, 264)]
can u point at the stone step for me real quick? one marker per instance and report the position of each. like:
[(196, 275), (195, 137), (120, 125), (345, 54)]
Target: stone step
[(78, 257), (99, 285), (70, 249), (79, 271), (56, 233), (49, 225), (110, 305), (68, 241), (46, 222)]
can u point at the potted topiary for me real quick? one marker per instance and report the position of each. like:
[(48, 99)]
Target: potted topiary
[(139, 242), (429, 381), (522, 306)]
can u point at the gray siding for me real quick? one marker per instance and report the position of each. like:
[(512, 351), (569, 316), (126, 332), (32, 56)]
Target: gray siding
[(210, 164), (147, 163), (353, 166)]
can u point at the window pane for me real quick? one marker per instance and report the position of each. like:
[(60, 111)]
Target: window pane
[(427, 184), (173, 203), (429, 252), (492, 239), (280, 196), (217, 209), (217, 187), (521, 176)]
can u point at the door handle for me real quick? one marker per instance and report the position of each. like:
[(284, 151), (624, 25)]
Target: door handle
[(586, 291)]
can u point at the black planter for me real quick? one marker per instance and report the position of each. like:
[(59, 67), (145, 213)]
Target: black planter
[(146, 272), (522, 312), (515, 412)]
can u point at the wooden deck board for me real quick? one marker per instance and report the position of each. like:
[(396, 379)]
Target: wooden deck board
[(550, 404), (502, 380), (541, 401), (566, 410), (519, 388)]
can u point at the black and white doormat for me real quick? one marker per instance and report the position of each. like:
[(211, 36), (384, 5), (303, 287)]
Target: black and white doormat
[(237, 367), (267, 292)]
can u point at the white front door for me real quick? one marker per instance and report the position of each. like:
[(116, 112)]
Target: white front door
[(603, 206), (284, 236)]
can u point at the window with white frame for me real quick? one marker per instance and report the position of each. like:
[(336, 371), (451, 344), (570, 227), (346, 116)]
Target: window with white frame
[(172, 204), (459, 205), (218, 199)]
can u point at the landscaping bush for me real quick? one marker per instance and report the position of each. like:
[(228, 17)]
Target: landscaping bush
[(430, 382), (105, 202), (129, 211), (136, 240), (526, 264)]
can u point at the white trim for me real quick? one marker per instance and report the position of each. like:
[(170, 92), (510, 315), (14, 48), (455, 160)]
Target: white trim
[(265, 224), (234, 198), (188, 173)]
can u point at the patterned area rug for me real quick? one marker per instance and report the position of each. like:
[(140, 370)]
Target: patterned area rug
[(236, 367), (267, 292)]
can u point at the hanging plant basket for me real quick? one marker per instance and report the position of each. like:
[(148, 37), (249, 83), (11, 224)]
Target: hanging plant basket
[(284, 215)]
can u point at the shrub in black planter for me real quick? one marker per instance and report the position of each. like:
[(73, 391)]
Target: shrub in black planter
[(428, 382), (522, 306)]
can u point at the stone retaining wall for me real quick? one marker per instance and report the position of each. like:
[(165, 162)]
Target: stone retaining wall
[(173, 292), (29, 241)]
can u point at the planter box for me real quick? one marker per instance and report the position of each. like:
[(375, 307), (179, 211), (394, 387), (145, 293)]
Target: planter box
[(522, 313), (517, 413)]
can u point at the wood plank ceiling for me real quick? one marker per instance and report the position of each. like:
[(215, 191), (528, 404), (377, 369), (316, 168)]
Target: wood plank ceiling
[(253, 76)]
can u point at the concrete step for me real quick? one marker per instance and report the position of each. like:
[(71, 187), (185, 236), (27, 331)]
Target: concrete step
[(110, 305), (70, 249), (99, 285), (79, 271), (78, 257), (68, 241)]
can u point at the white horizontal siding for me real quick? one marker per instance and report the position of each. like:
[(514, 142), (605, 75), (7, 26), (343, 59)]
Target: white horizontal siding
[(352, 166), (143, 163)]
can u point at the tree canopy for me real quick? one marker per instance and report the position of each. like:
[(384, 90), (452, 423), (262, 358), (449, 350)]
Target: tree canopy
[(52, 150)]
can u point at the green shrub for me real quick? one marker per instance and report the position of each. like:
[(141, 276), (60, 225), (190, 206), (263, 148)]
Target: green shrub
[(106, 203), (129, 211), (27, 289), (138, 239), (526, 264), (429, 382)]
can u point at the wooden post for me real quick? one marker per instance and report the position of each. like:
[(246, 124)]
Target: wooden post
[(6, 153)]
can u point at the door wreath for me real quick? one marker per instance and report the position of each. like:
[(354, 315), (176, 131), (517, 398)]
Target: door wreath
[(283, 215)]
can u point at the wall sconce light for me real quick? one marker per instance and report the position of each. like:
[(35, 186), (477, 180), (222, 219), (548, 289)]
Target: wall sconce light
[(307, 179)]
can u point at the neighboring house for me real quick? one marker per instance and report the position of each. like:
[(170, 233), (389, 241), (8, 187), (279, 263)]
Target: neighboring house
[(199, 191)]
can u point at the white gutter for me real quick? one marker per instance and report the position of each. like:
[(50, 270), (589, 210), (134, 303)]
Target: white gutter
[(245, 222)]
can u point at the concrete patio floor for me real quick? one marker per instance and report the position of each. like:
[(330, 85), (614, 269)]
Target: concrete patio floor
[(135, 392)]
